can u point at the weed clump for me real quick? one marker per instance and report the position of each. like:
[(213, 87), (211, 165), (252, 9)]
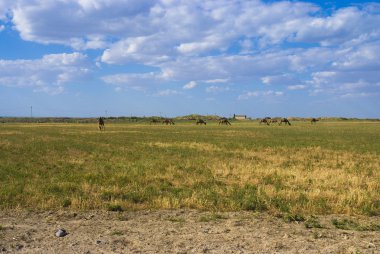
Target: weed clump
[(347, 224), (312, 222), (115, 208)]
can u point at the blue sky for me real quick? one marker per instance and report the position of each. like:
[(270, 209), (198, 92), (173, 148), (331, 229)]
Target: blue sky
[(87, 58)]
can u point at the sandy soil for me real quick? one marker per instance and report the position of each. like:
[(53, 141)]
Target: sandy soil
[(177, 231)]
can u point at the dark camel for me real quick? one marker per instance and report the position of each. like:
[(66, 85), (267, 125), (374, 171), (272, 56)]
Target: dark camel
[(273, 120), (101, 124), (314, 120), (265, 120), (284, 120), (200, 122), (224, 121), (168, 121)]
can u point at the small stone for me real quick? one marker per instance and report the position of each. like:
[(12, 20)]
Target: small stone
[(19, 246), (371, 245), (61, 233)]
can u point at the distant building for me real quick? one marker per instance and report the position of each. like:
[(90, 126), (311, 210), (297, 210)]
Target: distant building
[(240, 117)]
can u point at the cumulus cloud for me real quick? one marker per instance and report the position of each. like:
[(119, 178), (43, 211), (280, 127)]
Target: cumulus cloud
[(269, 93), (185, 27), (137, 81), (190, 85), (5, 7), (282, 79), (211, 81), (167, 92), (48, 74), (67, 22), (353, 71), (215, 89), (285, 44), (296, 87)]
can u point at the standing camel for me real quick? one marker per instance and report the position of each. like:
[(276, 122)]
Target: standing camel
[(101, 124)]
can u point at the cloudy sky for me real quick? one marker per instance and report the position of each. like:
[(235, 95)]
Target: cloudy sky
[(176, 57)]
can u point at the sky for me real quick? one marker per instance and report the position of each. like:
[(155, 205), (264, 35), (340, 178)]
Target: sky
[(90, 58)]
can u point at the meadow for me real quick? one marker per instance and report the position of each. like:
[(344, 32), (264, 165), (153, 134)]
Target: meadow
[(327, 168)]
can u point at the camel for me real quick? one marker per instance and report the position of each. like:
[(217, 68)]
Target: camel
[(168, 121), (265, 120), (284, 120), (201, 121), (273, 120), (314, 120), (101, 124), (224, 121)]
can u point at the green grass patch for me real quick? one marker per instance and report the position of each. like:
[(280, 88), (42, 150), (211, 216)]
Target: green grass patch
[(212, 217), (313, 222), (293, 217), (348, 224)]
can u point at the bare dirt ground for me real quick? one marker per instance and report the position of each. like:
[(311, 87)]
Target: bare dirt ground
[(176, 231)]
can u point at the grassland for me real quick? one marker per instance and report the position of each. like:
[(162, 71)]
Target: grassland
[(330, 167)]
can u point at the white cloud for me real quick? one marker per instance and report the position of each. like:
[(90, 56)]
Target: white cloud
[(137, 81), (190, 85), (353, 71), (269, 93), (282, 79), (167, 92), (48, 74), (5, 6), (2, 27), (296, 87), (359, 95), (212, 41), (185, 27), (220, 80)]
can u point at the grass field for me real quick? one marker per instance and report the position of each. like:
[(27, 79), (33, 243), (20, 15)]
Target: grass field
[(330, 167)]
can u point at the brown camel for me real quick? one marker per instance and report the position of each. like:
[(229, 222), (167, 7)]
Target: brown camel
[(101, 124), (168, 121), (314, 120), (273, 120), (224, 121), (265, 120), (200, 122), (284, 120)]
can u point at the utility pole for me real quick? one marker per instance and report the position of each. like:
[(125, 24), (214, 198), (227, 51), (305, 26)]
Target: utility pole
[(31, 111)]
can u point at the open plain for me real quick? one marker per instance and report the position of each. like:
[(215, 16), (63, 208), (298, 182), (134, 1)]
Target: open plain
[(136, 187)]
